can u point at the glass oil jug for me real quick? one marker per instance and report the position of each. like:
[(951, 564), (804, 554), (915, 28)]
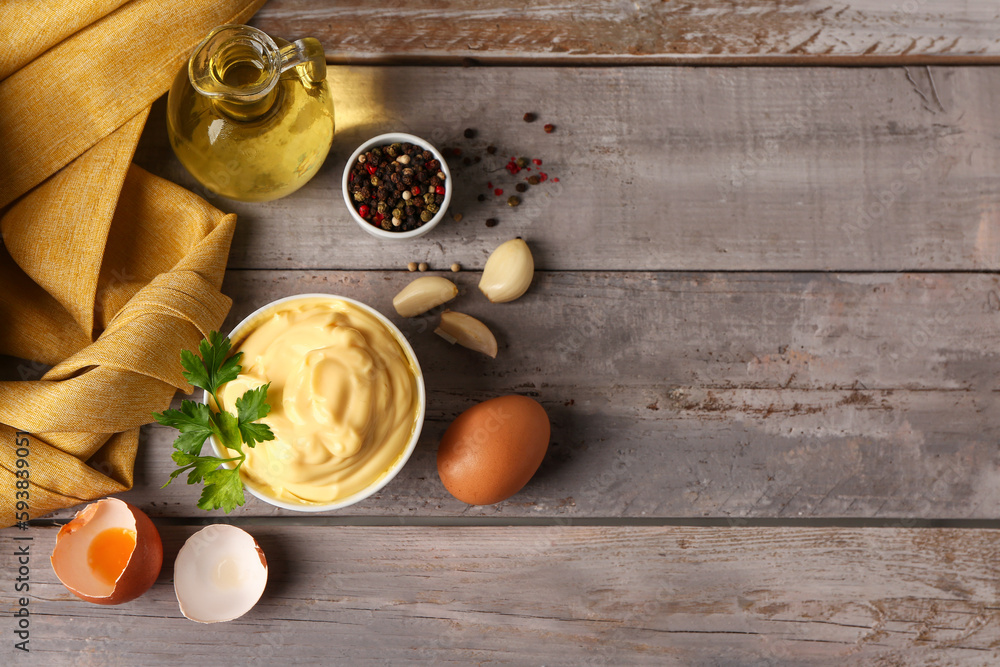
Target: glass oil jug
[(250, 116)]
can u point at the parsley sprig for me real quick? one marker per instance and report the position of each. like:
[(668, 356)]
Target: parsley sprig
[(196, 421)]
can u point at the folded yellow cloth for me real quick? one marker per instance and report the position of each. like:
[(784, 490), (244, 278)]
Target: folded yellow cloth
[(106, 271)]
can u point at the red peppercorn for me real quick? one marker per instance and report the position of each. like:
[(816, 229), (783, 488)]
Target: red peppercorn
[(415, 190), (379, 217), (555, 180), (439, 190), (489, 185), (350, 177), (364, 210), (498, 192), (371, 169), (537, 162), (549, 128), (543, 176)]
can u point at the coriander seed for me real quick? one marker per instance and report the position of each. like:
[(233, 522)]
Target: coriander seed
[(455, 268), (422, 266), (411, 267)]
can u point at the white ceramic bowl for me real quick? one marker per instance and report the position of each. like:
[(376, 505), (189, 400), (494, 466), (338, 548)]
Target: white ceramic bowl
[(391, 138), (250, 322)]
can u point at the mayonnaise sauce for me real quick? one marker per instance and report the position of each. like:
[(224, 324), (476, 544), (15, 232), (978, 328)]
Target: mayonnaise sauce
[(343, 396)]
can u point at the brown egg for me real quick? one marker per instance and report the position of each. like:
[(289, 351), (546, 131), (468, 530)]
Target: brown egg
[(109, 553), (492, 449)]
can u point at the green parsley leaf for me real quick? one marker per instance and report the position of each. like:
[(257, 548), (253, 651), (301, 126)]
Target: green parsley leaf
[(223, 488), (227, 429), (213, 369), (193, 420), (198, 466), (250, 407), (254, 433), (196, 421)]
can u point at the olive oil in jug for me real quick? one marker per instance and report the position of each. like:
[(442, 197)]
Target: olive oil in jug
[(249, 116)]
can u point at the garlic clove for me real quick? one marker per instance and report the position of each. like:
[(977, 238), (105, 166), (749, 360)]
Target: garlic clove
[(423, 294), (508, 271), (468, 332)]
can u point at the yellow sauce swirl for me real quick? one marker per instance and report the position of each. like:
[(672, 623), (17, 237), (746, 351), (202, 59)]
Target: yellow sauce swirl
[(343, 396)]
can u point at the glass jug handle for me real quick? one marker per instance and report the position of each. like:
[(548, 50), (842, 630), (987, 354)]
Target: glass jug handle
[(307, 55)]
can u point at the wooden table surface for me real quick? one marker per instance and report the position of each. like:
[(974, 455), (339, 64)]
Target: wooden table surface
[(764, 324)]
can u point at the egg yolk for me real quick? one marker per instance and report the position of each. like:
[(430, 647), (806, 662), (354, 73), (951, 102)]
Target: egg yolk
[(109, 553)]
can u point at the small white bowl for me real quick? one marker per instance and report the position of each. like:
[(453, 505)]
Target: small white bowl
[(250, 322), (391, 138)]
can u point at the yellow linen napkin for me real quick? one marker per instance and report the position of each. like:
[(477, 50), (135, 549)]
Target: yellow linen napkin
[(106, 271)]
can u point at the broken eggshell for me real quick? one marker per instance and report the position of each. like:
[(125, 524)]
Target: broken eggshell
[(219, 574), (95, 556)]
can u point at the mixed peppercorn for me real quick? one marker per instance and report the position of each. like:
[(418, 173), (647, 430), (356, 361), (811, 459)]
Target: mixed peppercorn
[(397, 187)]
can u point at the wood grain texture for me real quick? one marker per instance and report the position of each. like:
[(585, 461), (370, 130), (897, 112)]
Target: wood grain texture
[(705, 32), (663, 169), (560, 596), (688, 395)]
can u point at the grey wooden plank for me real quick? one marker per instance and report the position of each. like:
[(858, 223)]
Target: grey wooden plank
[(709, 31), (698, 394), (663, 169), (581, 596)]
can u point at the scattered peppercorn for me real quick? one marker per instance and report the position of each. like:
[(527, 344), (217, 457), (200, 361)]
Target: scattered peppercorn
[(469, 133), (386, 184), (481, 198), (513, 200), (457, 217), (492, 222), (498, 191), (534, 180), (467, 161), (521, 187), (530, 117), (422, 266), (491, 149), (455, 268), (549, 128), (522, 162), (412, 266)]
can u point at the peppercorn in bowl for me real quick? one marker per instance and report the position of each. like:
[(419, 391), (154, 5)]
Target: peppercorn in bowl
[(397, 186)]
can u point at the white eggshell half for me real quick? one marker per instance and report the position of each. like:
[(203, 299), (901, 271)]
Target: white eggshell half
[(219, 574)]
